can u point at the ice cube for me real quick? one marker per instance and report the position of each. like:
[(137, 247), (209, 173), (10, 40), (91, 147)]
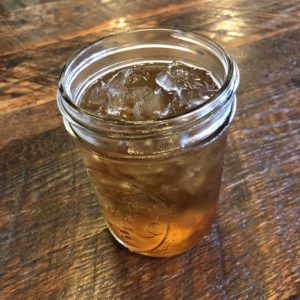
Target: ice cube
[(154, 106), (192, 86), (193, 78), (191, 179), (115, 92), (169, 82), (134, 77), (129, 94), (149, 104)]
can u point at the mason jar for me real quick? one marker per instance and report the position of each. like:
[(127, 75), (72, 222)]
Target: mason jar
[(157, 181)]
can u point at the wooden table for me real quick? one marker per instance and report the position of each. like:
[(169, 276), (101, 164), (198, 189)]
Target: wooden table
[(54, 243)]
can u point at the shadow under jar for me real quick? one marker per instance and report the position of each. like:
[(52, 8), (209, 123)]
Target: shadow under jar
[(157, 181)]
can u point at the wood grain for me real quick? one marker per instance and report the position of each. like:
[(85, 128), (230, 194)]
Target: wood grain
[(53, 239)]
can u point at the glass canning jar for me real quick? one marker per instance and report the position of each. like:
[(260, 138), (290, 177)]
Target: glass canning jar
[(157, 181)]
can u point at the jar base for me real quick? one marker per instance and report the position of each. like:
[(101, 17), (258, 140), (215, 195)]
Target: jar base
[(160, 251)]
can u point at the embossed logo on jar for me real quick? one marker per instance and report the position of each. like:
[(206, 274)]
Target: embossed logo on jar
[(136, 218)]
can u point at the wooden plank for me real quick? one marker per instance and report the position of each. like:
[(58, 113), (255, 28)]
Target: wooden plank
[(53, 239)]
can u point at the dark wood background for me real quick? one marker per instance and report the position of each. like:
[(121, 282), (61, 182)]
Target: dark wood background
[(54, 244)]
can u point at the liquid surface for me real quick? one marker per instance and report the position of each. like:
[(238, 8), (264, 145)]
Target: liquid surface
[(149, 91)]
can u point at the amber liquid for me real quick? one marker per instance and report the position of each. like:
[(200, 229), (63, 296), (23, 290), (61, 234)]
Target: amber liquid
[(157, 207)]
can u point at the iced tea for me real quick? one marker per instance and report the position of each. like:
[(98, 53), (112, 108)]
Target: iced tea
[(156, 208)]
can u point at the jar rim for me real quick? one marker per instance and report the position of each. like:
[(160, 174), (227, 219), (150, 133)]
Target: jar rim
[(226, 91)]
